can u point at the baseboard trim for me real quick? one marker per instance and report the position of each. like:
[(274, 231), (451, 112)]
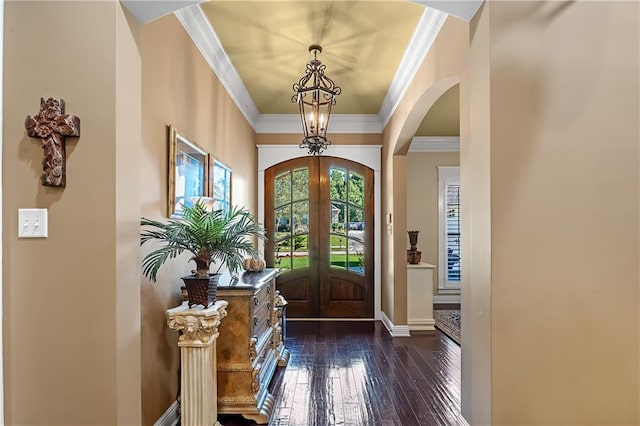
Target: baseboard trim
[(171, 417), (422, 325), (330, 319), (446, 298), (395, 330)]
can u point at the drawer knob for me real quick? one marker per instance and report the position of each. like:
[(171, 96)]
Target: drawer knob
[(255, 300), (255, 320), (268, 306)]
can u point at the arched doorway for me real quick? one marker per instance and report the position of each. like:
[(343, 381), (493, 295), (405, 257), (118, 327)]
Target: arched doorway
[(319, 217), (366, 155)]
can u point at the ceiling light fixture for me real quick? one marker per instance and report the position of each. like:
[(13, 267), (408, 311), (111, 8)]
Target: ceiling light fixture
[(315, 94)]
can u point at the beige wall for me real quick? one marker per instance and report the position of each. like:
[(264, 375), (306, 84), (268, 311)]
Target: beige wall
[(565, 197), (439, 71), (128, 127), (115, 180), (422, 201), (179, 88), (475, 178), (563, 131), (443, 118), (71, 326), (386, 251)]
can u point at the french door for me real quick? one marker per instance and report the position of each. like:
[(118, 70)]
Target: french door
[(319, 220)]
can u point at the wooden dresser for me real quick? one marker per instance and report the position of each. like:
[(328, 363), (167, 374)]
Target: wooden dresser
[(250, 345)]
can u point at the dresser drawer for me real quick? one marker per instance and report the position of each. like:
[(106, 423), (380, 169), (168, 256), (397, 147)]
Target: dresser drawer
[(259, 304), (260, 322), (262, 295)]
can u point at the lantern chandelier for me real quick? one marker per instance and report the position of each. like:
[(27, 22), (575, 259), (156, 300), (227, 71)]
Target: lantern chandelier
[(315, 94)]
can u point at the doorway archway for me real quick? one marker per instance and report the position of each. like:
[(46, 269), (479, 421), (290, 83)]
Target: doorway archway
[(367, 155), (319, 222)]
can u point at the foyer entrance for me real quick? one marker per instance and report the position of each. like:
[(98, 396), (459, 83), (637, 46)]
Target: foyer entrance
[(319, 220)]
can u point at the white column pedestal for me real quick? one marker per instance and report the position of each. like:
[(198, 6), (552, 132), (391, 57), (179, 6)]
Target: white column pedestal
[(198, 383), (420, 296)]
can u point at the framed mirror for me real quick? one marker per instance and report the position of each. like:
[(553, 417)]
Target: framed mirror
[(220, 184), (188, 172)]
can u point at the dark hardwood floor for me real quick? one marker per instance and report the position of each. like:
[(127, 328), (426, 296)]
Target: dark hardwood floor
[(354, 373)]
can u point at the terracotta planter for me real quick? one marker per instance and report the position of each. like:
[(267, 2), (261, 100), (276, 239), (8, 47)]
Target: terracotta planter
[(201, 291)]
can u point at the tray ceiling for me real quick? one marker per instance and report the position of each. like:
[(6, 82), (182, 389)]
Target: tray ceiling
[(267, 42), (371, 48)]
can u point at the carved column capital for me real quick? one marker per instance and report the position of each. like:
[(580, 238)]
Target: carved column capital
[(197, 327)]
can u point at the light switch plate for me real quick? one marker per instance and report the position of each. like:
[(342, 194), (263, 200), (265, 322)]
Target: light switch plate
[(32, 223)]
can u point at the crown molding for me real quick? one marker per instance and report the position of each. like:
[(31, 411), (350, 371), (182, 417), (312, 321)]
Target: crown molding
[(340, 123), (149, 10), (426, 31), (206, 40), (463, 9), (435, 144)]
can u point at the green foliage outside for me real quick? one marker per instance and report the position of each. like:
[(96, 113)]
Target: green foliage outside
[(301, 243), (335, 259), (292, 209), (350, 190), (346, 192)]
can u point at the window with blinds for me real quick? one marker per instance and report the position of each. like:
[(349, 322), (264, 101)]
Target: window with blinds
[(449, 229), (453, 232)]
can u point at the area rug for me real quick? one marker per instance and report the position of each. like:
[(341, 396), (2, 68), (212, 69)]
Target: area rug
[(448, 321)]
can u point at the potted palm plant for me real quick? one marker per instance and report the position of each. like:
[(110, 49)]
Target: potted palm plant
[(209, 236)]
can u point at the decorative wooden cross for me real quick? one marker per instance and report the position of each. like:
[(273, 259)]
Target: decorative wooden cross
[(52, 126)]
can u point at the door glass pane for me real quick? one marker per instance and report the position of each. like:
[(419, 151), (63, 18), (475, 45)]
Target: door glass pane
[(300, 184), (338, 217), (282, 189), (291, 239), (356, 189), (356, 223), (355, 256), (300, 217), (337, 184), (283, 254), (283, 223), (338, 252), (300, 257), (347, 219)]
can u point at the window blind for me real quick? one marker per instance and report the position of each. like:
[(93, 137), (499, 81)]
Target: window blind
[(453, 227)]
